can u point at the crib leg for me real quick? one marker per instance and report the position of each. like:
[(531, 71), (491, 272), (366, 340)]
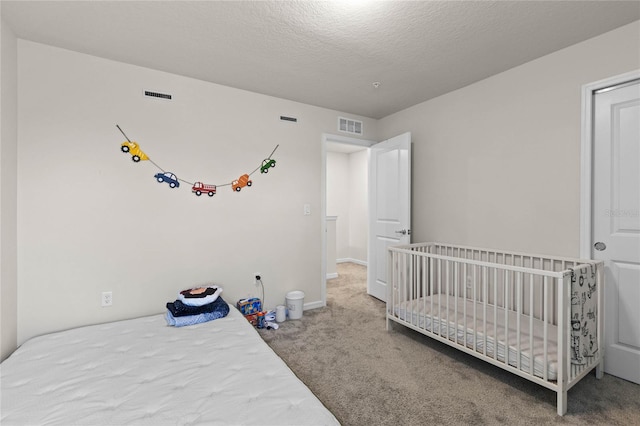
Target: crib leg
[(600, 369), (562, 403)]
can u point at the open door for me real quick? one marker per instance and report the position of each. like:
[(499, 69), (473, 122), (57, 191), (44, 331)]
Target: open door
[(616, 222), (389, 206)]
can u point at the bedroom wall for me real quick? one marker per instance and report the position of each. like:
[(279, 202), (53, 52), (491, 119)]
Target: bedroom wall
[(91, 220), (347, 195), (338, 199), (497, 163), (359, 205), (8, 191)]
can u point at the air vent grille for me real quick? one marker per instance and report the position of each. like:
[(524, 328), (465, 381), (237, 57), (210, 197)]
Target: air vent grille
[(157, 95), (348, 125)]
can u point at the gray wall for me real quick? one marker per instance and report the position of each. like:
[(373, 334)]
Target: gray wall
[(91, 220), (8, 191), (497, 163)]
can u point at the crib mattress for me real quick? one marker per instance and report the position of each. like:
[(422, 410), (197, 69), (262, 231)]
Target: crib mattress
[(143, 372), (491, 338)]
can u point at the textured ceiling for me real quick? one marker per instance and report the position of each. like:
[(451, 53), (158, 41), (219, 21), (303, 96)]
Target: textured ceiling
[(324, 53)]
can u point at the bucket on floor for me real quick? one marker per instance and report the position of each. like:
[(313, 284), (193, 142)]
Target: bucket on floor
[(295, 302)]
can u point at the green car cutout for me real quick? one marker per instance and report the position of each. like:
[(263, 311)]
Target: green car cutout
[(266, 164)]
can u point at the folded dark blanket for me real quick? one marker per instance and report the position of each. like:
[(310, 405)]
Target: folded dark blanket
[(179, 309)]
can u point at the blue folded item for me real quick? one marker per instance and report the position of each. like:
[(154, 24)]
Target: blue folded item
[(221, 310), (180, 309)]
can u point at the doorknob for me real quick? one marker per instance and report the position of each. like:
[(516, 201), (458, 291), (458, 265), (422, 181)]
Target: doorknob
[(600, 246), (404, 232)]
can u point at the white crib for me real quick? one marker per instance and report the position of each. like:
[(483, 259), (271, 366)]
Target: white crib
[(539, 317)]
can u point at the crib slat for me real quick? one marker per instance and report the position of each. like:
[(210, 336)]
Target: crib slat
[(485, 294), (425, 283), (431, 274), (506, 316), (531, 317), (495, 312), (439, 298), (465, 298), (545, 333), (455, 298), (475, 307), (447, 274), (519, 312)]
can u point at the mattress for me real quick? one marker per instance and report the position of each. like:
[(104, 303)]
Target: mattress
[(143, 372), (498, 340)]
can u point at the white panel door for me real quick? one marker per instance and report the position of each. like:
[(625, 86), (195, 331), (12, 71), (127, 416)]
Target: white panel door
[(389, 206), (616, 223)]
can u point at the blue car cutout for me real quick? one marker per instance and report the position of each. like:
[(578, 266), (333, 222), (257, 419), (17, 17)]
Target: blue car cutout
[(168, 177)]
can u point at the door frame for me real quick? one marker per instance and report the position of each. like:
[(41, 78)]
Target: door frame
[(586, 156), (328, 137)]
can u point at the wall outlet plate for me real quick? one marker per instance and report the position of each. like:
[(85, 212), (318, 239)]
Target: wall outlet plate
[(107, 298)]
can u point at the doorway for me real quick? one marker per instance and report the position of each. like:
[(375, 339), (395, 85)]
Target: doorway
[(344, 195)]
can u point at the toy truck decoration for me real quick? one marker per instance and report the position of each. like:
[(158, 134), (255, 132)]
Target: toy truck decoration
[(200, 188), (241, 182), (134, 149)]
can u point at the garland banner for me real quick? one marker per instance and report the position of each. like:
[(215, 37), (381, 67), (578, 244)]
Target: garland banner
[(197, 188)]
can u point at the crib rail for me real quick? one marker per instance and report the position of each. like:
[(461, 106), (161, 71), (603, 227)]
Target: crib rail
[(513, 310)]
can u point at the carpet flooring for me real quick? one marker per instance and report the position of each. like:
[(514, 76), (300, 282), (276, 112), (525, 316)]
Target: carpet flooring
[(367, 375)]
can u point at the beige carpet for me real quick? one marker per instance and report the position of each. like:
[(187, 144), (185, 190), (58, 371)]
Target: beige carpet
[(369, 376)]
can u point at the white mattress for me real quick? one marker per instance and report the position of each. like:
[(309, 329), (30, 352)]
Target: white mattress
[(143, 372), (443, 322)]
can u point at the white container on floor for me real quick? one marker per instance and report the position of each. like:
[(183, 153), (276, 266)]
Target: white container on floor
[(281, 313), (295, 303)]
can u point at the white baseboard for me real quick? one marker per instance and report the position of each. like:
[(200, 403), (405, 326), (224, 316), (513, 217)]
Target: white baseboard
[(332, 275), (313, 305), (350, 260)]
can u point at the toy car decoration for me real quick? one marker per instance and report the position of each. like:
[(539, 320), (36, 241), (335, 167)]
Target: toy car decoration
[(199, 188), (266, 163), (168, 177), (134, 149), (241, 182)]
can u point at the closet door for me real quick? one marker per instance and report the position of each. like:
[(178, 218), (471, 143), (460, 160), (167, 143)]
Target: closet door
[(616, 222)]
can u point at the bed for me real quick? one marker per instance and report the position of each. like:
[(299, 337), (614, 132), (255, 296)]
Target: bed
[(536, 316), (143, 372)]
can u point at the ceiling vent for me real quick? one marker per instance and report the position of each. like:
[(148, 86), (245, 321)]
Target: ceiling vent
[(348, 125), (157, 95)]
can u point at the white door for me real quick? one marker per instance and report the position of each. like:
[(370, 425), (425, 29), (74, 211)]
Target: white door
[(616, 223), (389, 206)]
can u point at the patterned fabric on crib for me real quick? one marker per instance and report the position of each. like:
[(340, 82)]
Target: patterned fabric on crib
[(584, 315)]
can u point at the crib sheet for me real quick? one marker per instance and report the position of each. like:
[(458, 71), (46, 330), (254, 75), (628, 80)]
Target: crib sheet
[(143, 372), (485, 335)]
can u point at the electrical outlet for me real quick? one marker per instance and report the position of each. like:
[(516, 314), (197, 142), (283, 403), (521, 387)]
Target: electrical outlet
[(257, 276), (107, 298)]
